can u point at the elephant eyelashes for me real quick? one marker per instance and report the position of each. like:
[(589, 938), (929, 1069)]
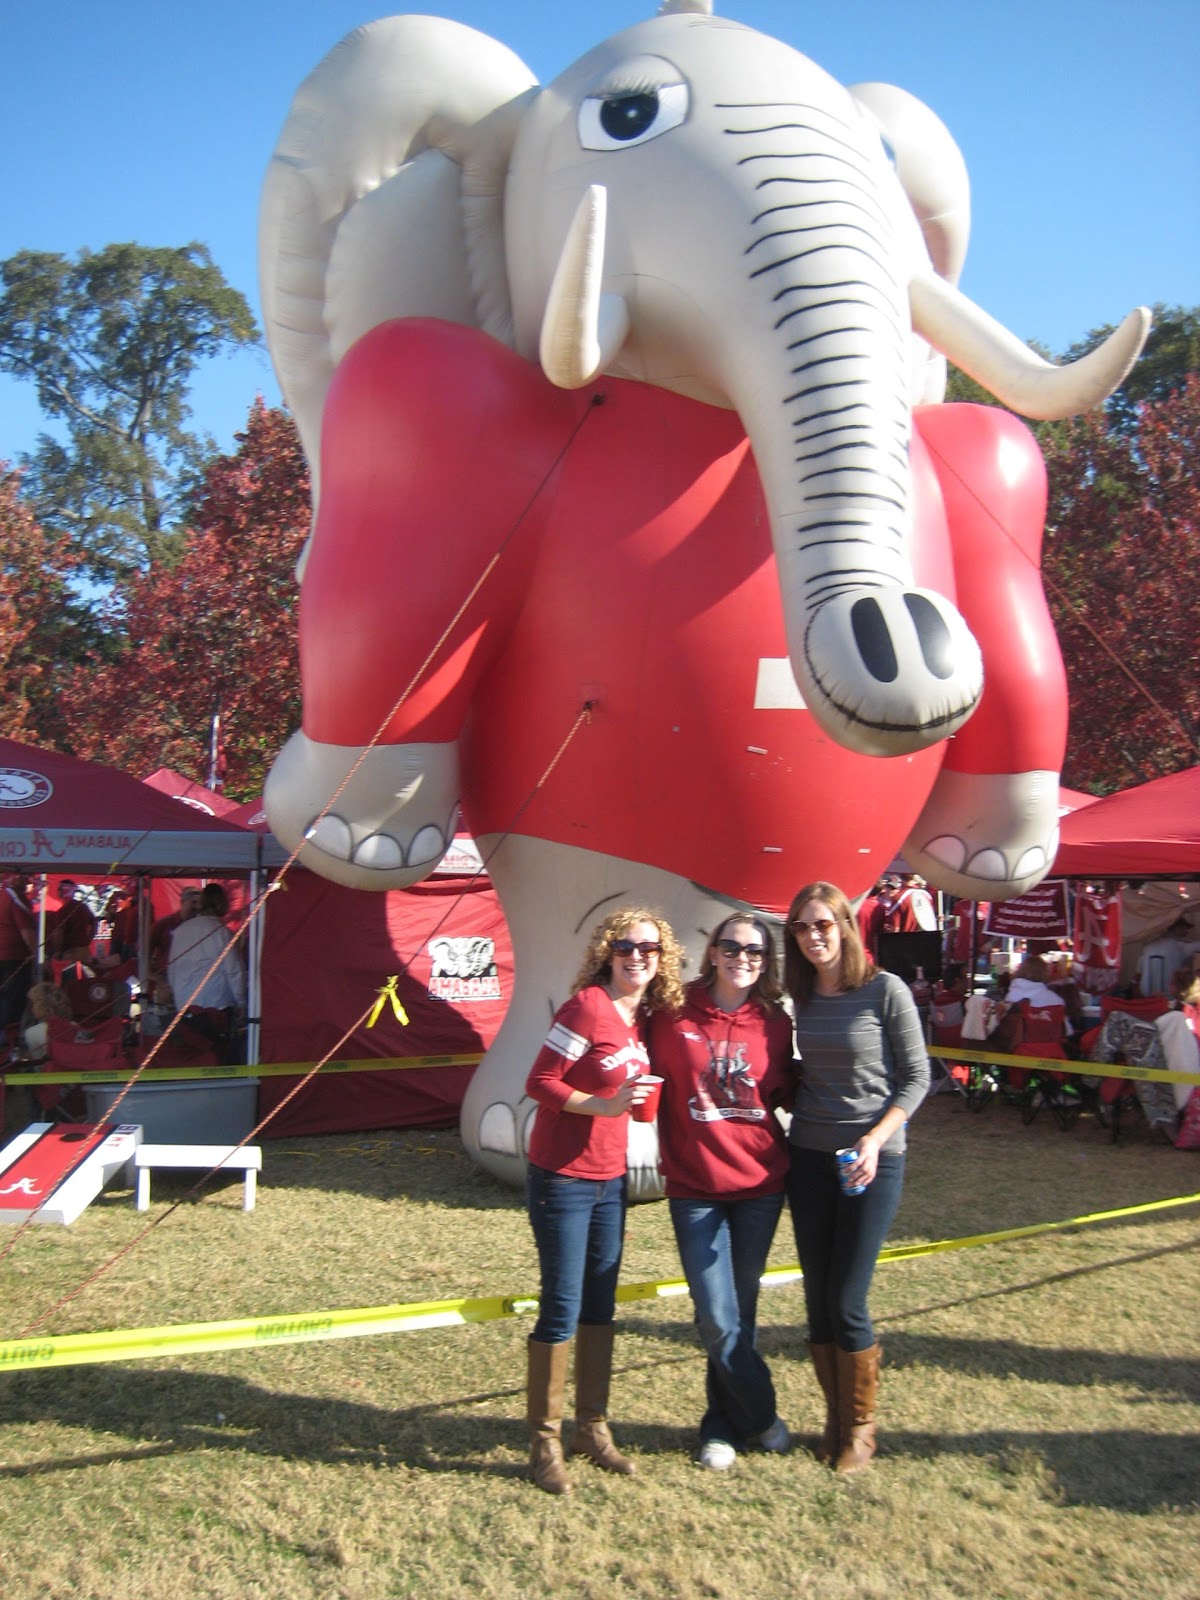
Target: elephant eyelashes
[(622, 118)]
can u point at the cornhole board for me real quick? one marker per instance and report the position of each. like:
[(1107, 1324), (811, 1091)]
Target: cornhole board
[(36, 1176)]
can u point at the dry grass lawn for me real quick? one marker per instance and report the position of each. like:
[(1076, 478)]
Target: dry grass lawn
[(1040, 1402)]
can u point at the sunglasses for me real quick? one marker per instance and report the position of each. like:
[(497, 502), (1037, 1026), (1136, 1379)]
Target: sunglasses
[(731, 948), (626, 947), (824, 927)]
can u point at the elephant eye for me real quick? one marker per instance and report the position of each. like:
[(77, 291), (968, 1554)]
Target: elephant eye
[(617, 120)]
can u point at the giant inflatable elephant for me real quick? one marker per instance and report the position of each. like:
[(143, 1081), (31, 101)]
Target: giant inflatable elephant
[(640, 530)]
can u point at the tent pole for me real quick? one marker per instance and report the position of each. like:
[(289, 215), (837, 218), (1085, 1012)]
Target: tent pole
[(254, 975)]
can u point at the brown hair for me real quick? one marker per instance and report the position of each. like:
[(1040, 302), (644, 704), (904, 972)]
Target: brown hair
[(665, 990), (799, 974), (1035, 968), (214, 902), (766, 990)]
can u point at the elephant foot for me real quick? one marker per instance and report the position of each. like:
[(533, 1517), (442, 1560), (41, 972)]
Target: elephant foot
[(987, 836), (889, 671), (388, 828)]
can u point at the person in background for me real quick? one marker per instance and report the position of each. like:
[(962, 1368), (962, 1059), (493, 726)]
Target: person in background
[(911, 910), (46, 1000), (584, 1082), (210, 1001), (1163, 957), (18, 944), (71, 929), (863, 1071), (871, 915), (160, 933), (726, 1062), (121, 913)]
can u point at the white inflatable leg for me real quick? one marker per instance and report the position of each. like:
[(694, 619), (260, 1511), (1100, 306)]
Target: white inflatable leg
[(388, 828), (988, 836), (553, 895)]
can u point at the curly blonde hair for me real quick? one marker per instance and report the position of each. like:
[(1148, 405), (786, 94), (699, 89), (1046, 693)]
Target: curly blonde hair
[(47, 1000), (665, 990)]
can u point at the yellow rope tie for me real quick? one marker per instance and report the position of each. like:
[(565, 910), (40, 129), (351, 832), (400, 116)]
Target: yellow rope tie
[(386, 994)]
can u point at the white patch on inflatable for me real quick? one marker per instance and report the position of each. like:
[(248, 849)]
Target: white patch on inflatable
[(776, 688)]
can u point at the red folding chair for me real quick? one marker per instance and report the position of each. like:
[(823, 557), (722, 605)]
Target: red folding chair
[(74, 1048)]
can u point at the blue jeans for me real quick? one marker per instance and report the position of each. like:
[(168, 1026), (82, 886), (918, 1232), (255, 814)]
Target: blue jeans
[(724, 1247), (579, 1229), (838, 1238)]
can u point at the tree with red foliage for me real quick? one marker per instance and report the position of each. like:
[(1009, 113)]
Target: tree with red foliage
[(1121, 563), (40, 620), (214, 635)]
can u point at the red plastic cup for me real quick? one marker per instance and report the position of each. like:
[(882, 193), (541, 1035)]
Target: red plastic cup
[(646, 1109)]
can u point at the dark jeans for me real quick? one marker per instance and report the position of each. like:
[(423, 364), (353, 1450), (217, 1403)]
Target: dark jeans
[(838, 1238), (579, 1229), (724, 1247)]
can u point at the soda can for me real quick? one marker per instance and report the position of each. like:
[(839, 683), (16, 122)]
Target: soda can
[(845, 1159)]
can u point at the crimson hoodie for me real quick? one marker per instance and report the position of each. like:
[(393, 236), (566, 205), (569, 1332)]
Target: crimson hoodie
[(725, 1072)]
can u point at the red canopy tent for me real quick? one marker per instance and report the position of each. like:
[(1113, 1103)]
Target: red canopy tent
[(58, 814), (328, 956), (1152, 831), (167, 781)]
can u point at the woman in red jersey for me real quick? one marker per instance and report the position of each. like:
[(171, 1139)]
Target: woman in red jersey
[(584, 1083)]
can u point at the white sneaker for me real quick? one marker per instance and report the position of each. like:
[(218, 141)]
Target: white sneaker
[(776, 1439), (716, 1455)]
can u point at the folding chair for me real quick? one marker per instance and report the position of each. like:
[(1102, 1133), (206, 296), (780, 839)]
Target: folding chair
[(73, 1048)]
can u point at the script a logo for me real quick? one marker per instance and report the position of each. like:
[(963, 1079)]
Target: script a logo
[(23, 1186), (20, 788)]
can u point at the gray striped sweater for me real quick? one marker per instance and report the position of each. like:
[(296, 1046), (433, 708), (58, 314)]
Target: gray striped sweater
[(860, 1053)]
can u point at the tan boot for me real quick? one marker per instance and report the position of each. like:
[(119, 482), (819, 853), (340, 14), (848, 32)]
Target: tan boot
[(593, 1374), (547, 1376), (824, 1360), (858, 1385)]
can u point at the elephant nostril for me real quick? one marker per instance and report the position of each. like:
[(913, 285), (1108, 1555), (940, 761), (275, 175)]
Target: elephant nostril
[(873, 639), (932, 634)]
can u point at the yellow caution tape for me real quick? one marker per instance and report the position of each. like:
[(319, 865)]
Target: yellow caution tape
[(265, 1069), (297, 1069), (139, 1344), (1086, 1069)]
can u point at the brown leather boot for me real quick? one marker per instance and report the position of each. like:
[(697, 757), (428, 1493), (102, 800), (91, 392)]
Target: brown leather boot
[(547, 1376), (593, 1374), (824, 1360), (858, 1385)]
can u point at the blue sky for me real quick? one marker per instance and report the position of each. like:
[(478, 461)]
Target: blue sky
[(1079, 120)]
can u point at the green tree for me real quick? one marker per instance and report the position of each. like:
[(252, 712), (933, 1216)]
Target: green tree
[(111, 341)]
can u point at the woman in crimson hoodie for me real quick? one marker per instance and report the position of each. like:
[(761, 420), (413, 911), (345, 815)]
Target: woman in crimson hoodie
[(726, 1059)]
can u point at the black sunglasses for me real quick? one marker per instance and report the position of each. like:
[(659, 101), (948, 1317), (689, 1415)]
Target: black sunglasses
[(731, 948), (626, 947)]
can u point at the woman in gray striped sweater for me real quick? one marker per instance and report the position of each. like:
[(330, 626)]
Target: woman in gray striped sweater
[(863, 1071)]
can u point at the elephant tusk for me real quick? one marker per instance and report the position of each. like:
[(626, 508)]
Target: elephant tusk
[(1010, 370), (583, 328)]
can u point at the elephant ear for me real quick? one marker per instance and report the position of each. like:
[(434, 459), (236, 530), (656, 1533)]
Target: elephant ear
[(933, 175), (384, 198)]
